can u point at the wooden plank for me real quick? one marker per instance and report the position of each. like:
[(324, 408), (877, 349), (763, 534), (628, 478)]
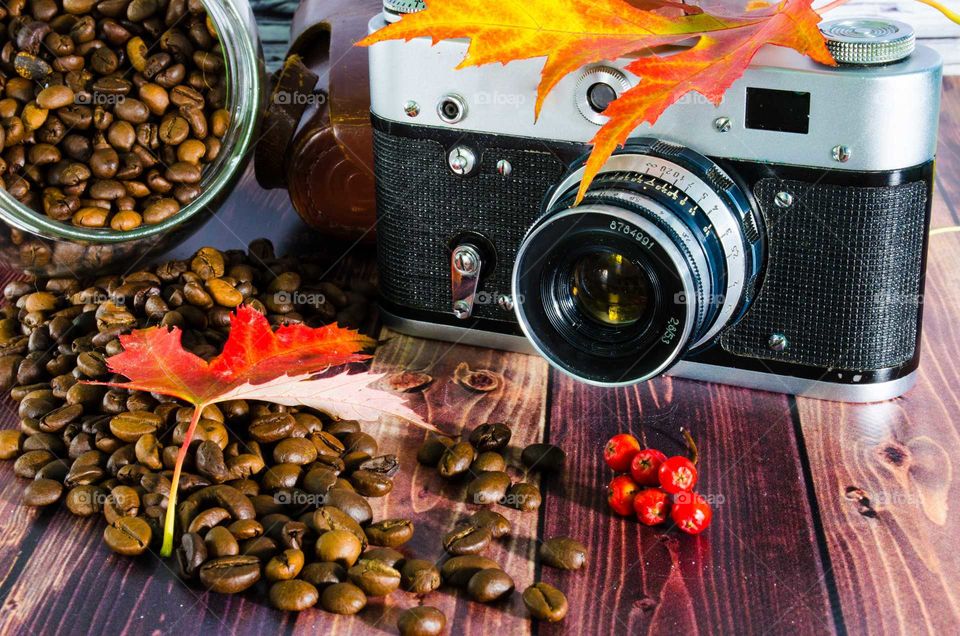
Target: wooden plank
[(757, 570), (894, 553)]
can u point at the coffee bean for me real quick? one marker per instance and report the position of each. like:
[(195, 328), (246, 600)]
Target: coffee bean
[(339, 546), (455, 460), (160, 211), (563, 553), (545, 602), (130, 427), (129, 536), (192, 554), (361, 443), (343, 598), (351, 503), (295, 450), (467, 538), (522, 496), (371, 484), (10, 443), (272, 428), (421, 621), (328, 518), (54, 97), (458, 571), (498, 524), (419, 576), (389, 533), (543, 457), (387, 465), (284, 566), (293, 596), (374, 577), (488, 488), (85, 500), (42, 492), (488, 461), (319, 480), (230, 575), (30, 463), (321, 575), (391, 557), (489, 586), (490, 437)]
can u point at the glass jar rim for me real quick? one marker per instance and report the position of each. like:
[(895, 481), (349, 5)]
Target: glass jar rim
[(244, 83)]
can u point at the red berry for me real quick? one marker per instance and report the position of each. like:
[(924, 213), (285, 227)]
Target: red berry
[(644, 467), (677, 474), (691, 513), (620, 494), (651, 506), (619, 451)]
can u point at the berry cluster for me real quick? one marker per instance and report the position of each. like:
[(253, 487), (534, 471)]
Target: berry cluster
[(653, 486)]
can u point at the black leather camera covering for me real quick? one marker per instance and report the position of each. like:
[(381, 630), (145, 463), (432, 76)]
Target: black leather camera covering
[(843, 280)]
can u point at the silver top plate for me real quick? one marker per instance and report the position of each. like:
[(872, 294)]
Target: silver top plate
[(885, 116)]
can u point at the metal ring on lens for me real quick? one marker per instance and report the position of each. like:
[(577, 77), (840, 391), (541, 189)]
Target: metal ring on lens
[(726, 221), (538, 321)]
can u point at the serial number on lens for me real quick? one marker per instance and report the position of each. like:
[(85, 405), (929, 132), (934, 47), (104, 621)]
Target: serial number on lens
[(629, 230)]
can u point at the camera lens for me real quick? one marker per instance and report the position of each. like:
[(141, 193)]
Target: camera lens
[(600, 96), (659, 258), (610, 289)]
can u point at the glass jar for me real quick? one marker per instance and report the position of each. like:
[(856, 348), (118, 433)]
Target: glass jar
[(42, 246)]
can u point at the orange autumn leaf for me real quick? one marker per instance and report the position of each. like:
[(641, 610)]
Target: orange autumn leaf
[(573, 34), (715, 62), (569, 34)]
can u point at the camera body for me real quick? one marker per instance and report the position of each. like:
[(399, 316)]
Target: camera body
[(776, 242)]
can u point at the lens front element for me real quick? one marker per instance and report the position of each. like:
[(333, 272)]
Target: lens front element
[(610, 289), (657, 261)]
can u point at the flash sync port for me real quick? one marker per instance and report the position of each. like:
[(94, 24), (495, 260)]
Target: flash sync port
[(452, 109)]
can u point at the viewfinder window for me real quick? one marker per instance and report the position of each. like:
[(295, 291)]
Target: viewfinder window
[(779, 111)]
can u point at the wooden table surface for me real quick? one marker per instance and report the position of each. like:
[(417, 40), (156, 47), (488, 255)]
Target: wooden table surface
[(794, 546)]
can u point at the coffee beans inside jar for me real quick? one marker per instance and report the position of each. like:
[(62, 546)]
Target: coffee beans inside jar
[(110, 111)]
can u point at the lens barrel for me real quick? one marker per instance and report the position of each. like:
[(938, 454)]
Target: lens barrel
[(659, 258)]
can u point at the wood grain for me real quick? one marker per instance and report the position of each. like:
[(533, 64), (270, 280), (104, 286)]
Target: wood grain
[(756, 570), (883, 473)]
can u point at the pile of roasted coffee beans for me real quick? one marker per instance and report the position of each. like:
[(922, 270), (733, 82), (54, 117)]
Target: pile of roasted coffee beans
[(479, 461), (655, 487), (270, 496), (110, 109)]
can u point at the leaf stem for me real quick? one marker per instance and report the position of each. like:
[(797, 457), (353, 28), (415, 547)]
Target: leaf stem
[(691, 446), (953, 16), (171, 516), (829, 6)]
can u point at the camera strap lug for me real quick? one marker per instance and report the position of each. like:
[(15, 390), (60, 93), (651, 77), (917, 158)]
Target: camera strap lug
[(465, 266)]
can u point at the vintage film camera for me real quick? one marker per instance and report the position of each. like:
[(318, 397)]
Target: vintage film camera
[(776, 242)]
